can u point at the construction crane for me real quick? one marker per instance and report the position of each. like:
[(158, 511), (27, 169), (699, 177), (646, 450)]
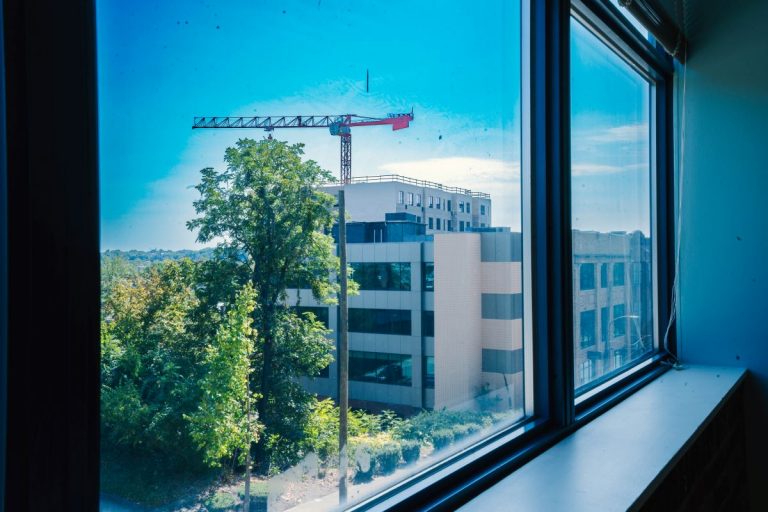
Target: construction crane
[(340, 126)]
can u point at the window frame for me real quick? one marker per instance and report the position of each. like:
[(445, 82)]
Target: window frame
[(53, 190), (547, 246)]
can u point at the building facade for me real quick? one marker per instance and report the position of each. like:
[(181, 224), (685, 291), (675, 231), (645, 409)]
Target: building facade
[(438, 321)]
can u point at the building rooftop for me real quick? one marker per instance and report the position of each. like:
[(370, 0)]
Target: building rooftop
[(388, 178)]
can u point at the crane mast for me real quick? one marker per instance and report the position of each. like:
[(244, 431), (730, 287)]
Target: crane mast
[(338, 125)]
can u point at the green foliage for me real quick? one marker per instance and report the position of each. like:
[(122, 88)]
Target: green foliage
[(411, 450), (387, 457), (271, 218), (442, 438), (223, 425), (151, 362)]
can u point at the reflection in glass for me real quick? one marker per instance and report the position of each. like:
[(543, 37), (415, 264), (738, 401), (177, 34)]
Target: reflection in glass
[(611, 201)]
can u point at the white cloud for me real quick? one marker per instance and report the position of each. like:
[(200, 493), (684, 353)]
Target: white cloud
[(500, 179)]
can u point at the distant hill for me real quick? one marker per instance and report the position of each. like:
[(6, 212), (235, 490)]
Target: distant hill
[(142, 259)]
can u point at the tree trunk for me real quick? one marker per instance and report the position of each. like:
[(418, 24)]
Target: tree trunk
[(247, 491)]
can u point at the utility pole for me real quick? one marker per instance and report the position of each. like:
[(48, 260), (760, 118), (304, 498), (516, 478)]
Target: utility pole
[(343, 351)]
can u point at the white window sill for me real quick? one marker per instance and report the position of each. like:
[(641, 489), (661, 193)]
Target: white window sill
[(614, 461)]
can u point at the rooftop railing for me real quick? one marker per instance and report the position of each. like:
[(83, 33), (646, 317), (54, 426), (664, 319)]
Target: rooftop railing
[(388, 178)]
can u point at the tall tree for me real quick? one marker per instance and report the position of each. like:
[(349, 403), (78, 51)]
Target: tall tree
[(223, 424), (267, 212)]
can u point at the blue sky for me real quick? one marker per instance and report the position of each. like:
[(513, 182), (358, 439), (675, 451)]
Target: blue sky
[(456, 65)]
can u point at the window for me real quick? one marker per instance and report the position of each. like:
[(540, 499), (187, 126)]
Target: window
[(428, 271), (380, 321), (380, 368), (382, 276), (586, 371), (611, 194), (618, 274), (429, 372), (428, 323), (484, 345), (587, 328), (619, 321), (587, 276)]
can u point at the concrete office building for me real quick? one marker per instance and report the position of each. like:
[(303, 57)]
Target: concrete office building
[(438, 321), (438, 207)]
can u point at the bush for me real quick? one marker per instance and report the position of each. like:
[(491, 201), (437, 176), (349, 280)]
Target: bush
[(442, 438), (411, 450), (386, 457), (466, 429), (361, 458)]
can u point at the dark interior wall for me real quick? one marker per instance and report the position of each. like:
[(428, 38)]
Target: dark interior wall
[(724, 252), (53, 256)]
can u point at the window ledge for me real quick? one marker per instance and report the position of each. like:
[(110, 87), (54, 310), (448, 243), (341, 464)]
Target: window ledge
[(615, 461)]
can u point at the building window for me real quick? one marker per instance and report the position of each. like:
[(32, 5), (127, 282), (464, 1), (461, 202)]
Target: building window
[(428, 273), (469, 208), (604, 320), (618, 274), (418, 199), (502, 361), (381, 368), (618, 359), (437, 202), (382, 276), (380, 321), (410, 198), (461, 225), (619, 320), (587, 329), (320, 313), (461, 206), (501, 306), (438, 224), (587, 276), (431, 202), (428, 323), (431, 223), (450, 225), (400, 197), (429, 372), (603, 275), (482, 209), (586, 371), (448, 205)]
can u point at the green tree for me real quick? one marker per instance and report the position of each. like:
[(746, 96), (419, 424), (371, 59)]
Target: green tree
[(151, 354), (224, 426), (267, 212)]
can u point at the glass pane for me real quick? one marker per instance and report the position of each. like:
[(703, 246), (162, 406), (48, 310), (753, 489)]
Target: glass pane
[(611, 210), (221, 324)]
